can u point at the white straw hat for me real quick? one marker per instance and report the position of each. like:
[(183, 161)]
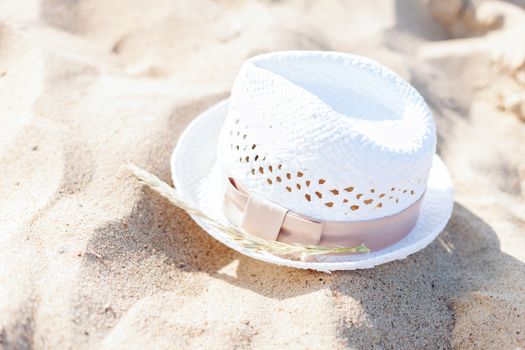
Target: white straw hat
[(333, 141)]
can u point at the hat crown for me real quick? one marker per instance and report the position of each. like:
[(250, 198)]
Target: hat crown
[(327, 135)]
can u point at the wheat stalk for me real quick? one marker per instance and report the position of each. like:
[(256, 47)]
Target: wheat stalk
[(241, 237)]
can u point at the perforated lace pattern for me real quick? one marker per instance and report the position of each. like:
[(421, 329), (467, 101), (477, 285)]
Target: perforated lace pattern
[(292, 147)]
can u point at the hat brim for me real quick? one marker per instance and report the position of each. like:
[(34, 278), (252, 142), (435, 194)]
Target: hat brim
[(199, 178)]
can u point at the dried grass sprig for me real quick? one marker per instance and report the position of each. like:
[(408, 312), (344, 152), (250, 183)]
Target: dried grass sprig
[(241, 237)]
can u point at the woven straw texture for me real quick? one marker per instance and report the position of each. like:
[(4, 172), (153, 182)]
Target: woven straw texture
[(200, 178), (328, 135)]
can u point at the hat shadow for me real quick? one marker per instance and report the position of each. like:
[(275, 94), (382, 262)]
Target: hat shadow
[(402, 293)]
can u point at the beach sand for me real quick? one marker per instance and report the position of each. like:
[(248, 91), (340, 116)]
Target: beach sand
[(92, 259)]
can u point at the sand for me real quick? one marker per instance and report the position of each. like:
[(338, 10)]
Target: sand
[(92, 259)]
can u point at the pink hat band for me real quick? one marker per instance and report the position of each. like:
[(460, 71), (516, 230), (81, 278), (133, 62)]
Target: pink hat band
[(260, 217)]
